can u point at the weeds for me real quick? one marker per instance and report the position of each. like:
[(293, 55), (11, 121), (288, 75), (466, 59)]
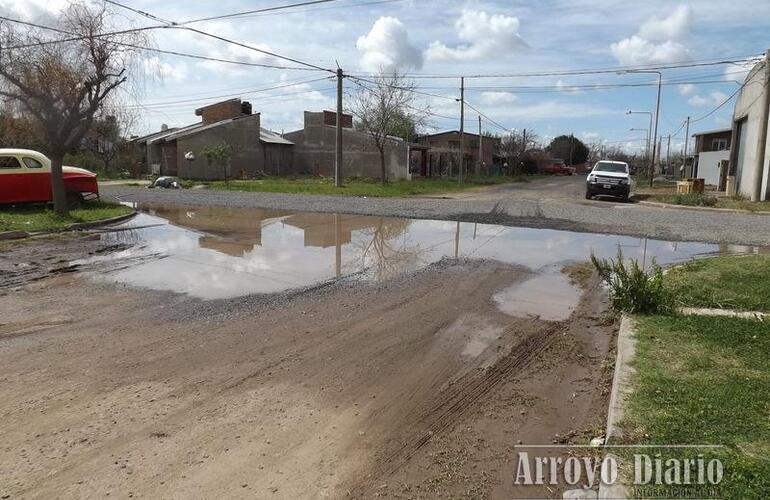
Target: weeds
[(632, 288)]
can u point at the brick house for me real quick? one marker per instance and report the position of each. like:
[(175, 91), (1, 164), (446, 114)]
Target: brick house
[(231, 122), (442, 156), (315, 145)]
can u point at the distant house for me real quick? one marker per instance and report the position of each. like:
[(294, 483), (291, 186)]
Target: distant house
[(750, 171), (444, 148), (315, 145), (711, 156), (254, 149)]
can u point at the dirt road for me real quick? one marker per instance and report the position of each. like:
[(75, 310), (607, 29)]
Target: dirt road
[(415, 387)]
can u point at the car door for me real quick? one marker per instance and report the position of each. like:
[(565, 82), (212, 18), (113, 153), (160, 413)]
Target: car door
[(38, 178), (12, 181)]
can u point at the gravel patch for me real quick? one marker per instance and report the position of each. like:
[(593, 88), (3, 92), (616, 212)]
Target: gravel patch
[(508, 209)]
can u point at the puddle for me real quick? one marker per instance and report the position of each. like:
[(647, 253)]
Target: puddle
[(214, 253), (550, 296)]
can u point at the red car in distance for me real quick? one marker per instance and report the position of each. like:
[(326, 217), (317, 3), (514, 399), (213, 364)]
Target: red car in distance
[(25, 177), (558, 167)]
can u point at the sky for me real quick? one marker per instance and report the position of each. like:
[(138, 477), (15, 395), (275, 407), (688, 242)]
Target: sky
[(451, 38)]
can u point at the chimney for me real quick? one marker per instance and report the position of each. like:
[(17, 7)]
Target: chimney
[(219, 111), (163, 127), (245, 108)]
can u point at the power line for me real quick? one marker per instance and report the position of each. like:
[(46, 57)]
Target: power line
[(255, 91), (728, 99), (490, 120), (152, 49), (256, 11), (297, 11), (692, 64)]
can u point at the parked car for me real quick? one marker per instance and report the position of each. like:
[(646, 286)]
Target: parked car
[(609, 178), (25, 177), (558, 167), (165, 182)]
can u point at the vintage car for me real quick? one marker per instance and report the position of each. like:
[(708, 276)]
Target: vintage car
[(25, 176)]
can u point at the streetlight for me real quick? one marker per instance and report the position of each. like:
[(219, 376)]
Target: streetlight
[(629, 112), (657, 114)]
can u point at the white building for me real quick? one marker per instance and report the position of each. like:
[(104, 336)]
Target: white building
[(751, 108)]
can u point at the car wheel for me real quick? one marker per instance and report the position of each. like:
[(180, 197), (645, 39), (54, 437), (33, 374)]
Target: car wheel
[(74, 200), (589, 195)]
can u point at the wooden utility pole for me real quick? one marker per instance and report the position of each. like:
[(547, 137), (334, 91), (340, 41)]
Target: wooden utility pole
[(571, 138), (462, 130), (764, 103), (338, 150), (668, 154), (481, 149), (523, 150), (686, 140)]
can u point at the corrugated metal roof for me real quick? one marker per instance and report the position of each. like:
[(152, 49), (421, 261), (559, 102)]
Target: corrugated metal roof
[(715, 131), (148, 137), (272, 138), (176, 132)]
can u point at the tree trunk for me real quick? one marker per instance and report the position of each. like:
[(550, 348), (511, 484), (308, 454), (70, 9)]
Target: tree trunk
[(383, 171), (57, 185)]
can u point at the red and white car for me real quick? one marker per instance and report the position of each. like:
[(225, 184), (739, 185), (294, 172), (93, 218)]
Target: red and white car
[(25, 176)]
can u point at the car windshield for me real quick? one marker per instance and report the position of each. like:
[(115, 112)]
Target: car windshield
[(602, 166)]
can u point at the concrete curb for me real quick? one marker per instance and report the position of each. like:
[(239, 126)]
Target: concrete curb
[(621, 389), (696, 311), (702, 209), (79, 226)]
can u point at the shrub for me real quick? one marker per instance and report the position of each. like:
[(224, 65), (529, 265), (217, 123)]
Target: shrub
[(634, 289), (695, 200)]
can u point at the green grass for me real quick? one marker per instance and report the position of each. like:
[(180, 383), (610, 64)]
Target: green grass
[(668, 195), (41, 217), (359, 186), (739, 282), (706, 380)]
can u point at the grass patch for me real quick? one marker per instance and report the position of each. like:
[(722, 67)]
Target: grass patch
[(706, 380), (739, 282), (739, 203), (634, 289), (359, 186), (41, 217), (688, 200)]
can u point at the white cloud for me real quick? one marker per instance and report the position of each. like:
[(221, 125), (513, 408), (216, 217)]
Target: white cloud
[(565, 87), (386, 47), (658, 41), (715, 98), (673, 27), (155, 67), (498, 98), (738, 72), (590, 136), (483, 35), (686, 89)]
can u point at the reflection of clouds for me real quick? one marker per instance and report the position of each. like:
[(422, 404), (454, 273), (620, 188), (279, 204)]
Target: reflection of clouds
[(275, 257)]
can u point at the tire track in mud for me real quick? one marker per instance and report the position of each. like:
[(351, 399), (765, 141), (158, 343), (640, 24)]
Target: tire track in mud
[(451, 403)]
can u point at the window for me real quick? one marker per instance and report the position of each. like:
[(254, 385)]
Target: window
[(718, 144), (9, 162), (32, 163)]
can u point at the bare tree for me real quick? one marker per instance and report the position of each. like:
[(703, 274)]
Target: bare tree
[(514, 144), (108, 134), (64, 85), (384, 107)]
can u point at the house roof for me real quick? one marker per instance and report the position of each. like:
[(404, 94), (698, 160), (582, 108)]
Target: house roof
[(176, 132), (153, 135), (466, 133), (714, 131), (272, 138)]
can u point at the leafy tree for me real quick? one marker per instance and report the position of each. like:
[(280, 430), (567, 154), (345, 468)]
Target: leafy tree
[(219, 156), (569, 148), (62, 85)]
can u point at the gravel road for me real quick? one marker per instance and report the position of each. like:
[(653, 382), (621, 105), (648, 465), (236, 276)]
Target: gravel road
[(548, 203)]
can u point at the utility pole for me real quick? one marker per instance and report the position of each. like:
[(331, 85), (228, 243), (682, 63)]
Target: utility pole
[(668, 154), (571, 137), (481, 149), (462, 130), (686, 140), (338, 151), (655, 132), (756, 191)]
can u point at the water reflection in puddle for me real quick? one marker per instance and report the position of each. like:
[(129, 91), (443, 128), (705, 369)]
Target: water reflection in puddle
[(549, 296), (224, 252)]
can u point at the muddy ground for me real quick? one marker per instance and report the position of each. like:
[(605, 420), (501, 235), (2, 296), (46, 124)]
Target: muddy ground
[(416, 387)]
